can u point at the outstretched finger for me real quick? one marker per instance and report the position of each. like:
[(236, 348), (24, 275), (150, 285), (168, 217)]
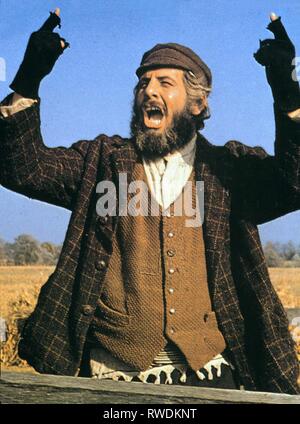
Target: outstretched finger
[(52, 22), (277, 28)]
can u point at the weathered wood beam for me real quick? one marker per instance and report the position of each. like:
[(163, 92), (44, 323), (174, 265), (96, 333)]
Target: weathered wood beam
[(26, 388)]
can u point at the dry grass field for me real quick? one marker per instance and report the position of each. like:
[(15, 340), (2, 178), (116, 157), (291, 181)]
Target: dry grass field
[(287, 284), (19, 287), (18, 281)]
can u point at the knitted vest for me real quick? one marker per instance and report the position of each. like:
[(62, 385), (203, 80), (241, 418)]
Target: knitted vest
[(155, 290)]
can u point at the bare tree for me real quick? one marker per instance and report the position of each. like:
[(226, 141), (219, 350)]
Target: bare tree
[(26, 250), (272, 256)]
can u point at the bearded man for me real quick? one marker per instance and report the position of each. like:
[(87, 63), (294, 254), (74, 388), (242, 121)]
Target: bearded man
[(144, 297)]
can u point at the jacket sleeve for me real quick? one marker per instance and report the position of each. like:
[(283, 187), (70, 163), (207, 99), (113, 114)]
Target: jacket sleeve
[(28, 167), (266, 187)]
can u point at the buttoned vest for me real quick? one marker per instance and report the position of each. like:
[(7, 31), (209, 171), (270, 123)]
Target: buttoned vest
[(155, 290)]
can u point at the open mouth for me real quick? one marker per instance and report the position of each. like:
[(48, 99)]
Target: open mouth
[(153, 116)]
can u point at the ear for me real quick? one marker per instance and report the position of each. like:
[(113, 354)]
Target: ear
[(196, 108)]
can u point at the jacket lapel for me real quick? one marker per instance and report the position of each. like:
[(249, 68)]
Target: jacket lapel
[(118, 157), (210, 167)]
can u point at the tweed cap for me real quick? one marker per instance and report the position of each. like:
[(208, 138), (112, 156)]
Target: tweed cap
[(174, 56)]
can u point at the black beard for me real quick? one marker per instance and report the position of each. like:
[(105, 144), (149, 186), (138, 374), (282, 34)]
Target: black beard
[(152, 145)]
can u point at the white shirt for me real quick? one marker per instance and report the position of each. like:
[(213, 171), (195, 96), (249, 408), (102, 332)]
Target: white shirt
[(168, 175)]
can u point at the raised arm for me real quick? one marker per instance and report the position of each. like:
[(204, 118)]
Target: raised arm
[(269, 186), (27, 166), (43, 50)]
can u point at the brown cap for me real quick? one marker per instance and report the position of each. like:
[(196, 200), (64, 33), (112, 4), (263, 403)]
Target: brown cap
[(172, 55)]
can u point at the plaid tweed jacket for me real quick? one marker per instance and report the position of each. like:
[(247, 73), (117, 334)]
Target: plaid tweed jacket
[(243, 187)]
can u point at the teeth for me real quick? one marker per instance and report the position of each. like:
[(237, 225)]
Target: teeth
[(154, 109), (154, 115)]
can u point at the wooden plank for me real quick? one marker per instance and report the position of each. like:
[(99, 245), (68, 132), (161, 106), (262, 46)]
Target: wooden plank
[(35, 388)]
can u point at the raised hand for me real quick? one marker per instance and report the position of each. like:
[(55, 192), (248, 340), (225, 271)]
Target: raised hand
[(43, 49), (277, 56)]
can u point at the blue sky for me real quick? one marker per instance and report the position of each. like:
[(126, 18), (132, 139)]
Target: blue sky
[(90, 89)]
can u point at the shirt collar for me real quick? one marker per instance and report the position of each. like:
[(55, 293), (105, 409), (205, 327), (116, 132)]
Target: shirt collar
[(185, 155), (185, 152)]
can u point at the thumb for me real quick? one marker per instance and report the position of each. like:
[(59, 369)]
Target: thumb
[(273, 16), (277, 28), (52, 22)]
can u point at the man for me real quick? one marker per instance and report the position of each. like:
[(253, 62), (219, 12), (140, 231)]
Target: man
[(146, 297)]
